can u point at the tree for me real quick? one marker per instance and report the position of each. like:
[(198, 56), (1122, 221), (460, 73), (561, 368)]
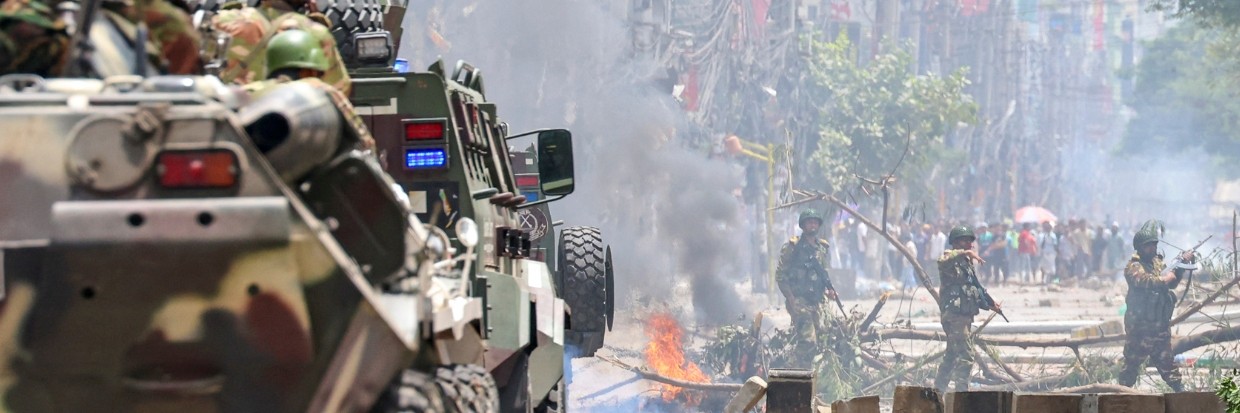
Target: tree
[(1185, 95), (1210, 12), (881, 118)]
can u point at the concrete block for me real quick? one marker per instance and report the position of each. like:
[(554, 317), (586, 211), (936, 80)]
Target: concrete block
[(1193, 402), (1046, 403), (978, 402), (1048, 302), (1130, 403), (790, 391), (909, 399), (749, 395), (865, 404)]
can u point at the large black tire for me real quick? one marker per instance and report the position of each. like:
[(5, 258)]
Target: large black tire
[(583, 283), (412, 392), (468, 389)]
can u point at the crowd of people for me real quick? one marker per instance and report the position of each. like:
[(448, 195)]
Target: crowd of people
[(1027, 252)]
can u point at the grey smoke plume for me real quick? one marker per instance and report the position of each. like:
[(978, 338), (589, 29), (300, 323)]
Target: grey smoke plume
[(666, 211)]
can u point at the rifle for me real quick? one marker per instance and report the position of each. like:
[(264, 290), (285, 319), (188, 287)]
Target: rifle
[(1189, 268), (806, 254), (78, 17), (987, 300)]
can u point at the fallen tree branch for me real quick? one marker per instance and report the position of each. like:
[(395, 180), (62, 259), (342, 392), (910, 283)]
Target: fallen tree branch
[(922, 278), (720, 387), (906, 334), (1180, 345), (869, 319), (1214, 296), (1098, 388), (1042, 384), (902, 371), (994, 355)]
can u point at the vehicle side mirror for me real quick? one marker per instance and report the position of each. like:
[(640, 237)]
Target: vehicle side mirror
[(555, 162)]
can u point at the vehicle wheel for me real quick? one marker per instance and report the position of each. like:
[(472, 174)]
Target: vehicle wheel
[(583, 275), (557, 400), (412, 392), (468, 389)]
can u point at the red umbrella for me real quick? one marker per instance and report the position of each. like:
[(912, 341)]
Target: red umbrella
[(1034, 214)]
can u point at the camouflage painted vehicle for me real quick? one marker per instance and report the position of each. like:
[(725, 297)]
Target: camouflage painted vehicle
[(164, 248)]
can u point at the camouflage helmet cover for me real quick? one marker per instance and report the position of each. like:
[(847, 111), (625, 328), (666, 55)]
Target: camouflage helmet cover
[(960, 232), (295, 49), (809, 214), (1149, 232)]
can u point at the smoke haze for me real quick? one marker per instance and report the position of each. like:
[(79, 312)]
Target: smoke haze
[(666, 212)]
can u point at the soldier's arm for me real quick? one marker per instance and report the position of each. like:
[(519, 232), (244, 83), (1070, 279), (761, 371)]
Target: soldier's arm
[(785, 256), (1138, 276), (947, 261)]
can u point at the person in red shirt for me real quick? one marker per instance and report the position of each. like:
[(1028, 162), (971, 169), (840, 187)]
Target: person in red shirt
[(1027, 252)]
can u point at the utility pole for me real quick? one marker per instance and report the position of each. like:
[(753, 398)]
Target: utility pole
[(886, 24)]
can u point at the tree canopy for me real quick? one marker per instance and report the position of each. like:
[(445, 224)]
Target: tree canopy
[(869, 114), (1187, 95)]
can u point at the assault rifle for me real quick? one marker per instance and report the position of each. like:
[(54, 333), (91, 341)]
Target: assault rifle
[(1188, 267), (806, 254), (988, 302)]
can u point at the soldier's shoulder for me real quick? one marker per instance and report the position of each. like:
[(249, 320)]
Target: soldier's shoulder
[(300, 21), (823, 243)]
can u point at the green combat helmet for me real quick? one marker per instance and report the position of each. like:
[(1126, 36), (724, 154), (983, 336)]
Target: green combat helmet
[(1148, 233), (960, 232), (294, 49), (809, 214)]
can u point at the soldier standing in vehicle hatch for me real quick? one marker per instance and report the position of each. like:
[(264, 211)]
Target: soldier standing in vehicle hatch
[(805, 289), (1150, 303), (962, 297)]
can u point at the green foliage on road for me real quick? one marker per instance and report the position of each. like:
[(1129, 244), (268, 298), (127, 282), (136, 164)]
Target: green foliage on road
[(1230, 393), (867, 114)]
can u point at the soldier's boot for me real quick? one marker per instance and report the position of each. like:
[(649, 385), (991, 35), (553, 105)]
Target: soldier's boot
[(1128, 376), (961, 374), (945, 371), (1173, 378)]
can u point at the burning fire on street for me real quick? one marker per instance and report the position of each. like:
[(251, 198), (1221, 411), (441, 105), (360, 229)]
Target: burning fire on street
[(665, 355)]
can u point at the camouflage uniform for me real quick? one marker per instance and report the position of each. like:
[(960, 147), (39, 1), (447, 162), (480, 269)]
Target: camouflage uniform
[(250, 29), (32, 38), (1148, 322), (959, 301), (171, 28), (803, 288)]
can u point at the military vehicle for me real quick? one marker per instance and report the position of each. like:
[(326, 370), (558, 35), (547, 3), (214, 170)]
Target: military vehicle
[(578, 257)]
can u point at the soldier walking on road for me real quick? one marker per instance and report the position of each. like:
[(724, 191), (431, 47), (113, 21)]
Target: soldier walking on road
[(1150, 303), (962, 296), (804, 287)]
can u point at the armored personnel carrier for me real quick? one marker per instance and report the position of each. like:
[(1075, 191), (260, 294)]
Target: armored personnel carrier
[(165, 248)]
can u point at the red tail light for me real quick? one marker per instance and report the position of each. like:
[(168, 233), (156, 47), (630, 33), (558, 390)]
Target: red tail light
[(210, 168), (424, 130), (527, 181)]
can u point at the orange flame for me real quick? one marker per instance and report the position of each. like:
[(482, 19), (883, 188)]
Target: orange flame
[(665, 355)]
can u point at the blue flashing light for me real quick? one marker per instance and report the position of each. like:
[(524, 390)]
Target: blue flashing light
[(530, 196), (426, 158), (401, 66)]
